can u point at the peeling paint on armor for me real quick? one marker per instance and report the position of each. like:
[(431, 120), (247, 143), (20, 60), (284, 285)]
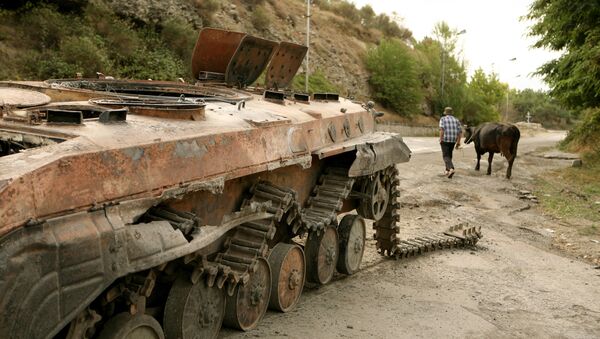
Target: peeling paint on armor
[(191, 149)]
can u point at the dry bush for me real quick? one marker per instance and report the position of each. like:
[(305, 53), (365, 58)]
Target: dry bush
[(260, 18), (206, 10)]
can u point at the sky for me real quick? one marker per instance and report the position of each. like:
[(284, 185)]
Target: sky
[(494, 34)]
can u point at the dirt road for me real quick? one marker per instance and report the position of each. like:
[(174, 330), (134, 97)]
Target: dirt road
[(512, 284)]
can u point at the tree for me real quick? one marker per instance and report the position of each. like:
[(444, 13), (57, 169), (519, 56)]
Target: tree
[(543, 108), (367, 15), (394, 76), (437, 58), (485, 95), (572, 28)]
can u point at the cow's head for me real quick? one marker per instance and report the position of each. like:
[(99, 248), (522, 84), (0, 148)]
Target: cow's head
[(468, 134)]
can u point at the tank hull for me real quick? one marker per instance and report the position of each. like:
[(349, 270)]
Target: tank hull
[(102, 210)]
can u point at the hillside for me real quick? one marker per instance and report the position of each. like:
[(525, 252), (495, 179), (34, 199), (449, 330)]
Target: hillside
[(154, 39)]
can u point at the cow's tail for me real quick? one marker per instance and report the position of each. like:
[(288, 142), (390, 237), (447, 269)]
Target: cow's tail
[(515, 142)]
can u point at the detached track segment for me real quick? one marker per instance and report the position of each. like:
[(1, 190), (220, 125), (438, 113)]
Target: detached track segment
[(387, 230)]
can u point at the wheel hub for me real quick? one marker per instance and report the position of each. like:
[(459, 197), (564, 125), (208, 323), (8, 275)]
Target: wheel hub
[(330, 255), (256, 294), (358, 245), (376, 192), (209, 315), (295, 279)]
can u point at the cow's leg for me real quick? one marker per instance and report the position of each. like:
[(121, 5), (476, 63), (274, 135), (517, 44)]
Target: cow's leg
[(490, 158), (478, 160), (511, 159)]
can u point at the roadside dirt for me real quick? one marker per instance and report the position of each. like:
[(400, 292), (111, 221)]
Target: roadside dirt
[(514, 283)]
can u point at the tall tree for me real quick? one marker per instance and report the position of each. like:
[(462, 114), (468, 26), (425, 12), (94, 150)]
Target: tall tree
[(571, 27), (484, 98), (394, 76), (443, 76)]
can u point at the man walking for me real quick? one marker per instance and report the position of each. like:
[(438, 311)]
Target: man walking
[(450, 134)]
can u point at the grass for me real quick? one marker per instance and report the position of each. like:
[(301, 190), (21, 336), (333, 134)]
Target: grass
[(573, 192), (317, 83), (590, 231)]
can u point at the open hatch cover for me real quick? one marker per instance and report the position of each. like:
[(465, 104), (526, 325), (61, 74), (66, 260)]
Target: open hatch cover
[(239, 59)]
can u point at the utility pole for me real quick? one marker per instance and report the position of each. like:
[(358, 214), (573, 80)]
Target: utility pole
[(506, 112), (443, 72), (307, 43), (507, 94), (443, 77)]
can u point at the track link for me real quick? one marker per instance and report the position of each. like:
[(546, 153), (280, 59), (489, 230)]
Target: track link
[(250, 240), (326, 201), (388, 228)]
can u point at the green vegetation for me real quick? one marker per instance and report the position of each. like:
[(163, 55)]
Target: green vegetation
[(394, 76), (366, 18), (317, 83), (40, 39), (572, 28), (260, 19), (543, 108), (574, 77), (585, 136), (485, 94), (429, 76), (412, 77), (573, 192), (47, 41)]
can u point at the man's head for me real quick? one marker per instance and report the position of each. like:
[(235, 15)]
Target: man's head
[(448, 111)]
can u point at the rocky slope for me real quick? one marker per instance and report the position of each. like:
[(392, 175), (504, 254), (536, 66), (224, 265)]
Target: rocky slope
[(338, 45)]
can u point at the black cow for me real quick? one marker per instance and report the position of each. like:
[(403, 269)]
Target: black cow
[(494, 138)]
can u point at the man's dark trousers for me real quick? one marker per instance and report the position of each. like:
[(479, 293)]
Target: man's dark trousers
[(447, 148)]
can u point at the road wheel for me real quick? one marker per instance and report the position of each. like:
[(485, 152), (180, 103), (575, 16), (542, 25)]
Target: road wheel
[(249, 303), (193, 310), (352, 231), (127, 326), (376, 196), (288, 272), (321, 255)]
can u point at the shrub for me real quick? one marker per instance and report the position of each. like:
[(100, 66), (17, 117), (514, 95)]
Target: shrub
[(348, 11), (254, 2), (86, 54), (394, 76), (180, 37), (206, 9), (260, 19), (50, 66), (121, 39), (43, 27), (323, 4), (585, 136), (317, 83), (157, 63)]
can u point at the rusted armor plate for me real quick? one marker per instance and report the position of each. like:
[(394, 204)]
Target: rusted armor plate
[(214, 49), (250, 60), (22, 98), (284, 65)]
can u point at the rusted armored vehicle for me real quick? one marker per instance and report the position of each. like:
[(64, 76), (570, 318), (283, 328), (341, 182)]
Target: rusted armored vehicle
[(144, 209)]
